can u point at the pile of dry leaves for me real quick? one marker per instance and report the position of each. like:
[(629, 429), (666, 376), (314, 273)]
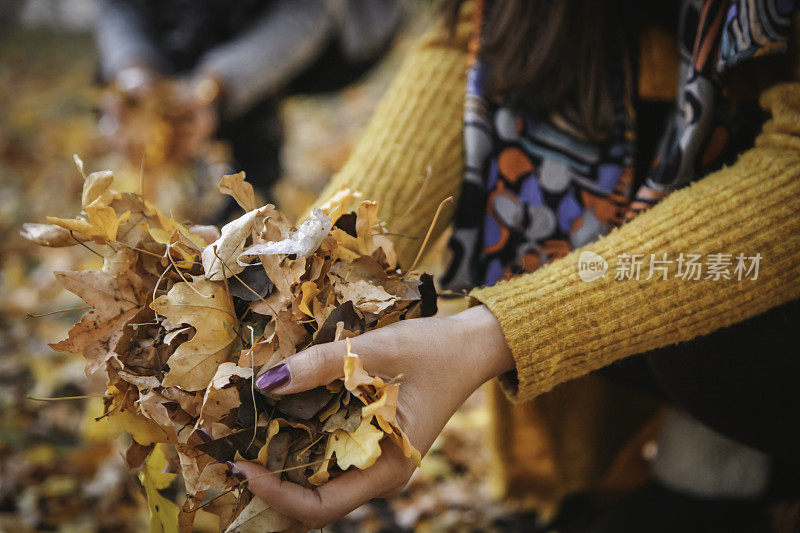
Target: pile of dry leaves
[(182, 319)]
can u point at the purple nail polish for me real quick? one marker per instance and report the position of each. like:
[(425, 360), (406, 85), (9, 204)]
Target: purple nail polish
[(235, 472), (273, 378)]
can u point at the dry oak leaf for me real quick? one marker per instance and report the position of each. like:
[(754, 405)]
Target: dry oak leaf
[(216, 404), (114, 301), (206, 306), (289, 333), (284, 273), (213, 476), (225, 371), (351, 248)]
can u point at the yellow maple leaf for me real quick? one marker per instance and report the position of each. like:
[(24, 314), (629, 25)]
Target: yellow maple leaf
[(272, 430), (361, 448), (163, 512), (309, 290), (401, 439), (384, 409), (179, 239), (101, 221), (206, 306), (354, 373), (385, 406), (104, 219), (142, 429)]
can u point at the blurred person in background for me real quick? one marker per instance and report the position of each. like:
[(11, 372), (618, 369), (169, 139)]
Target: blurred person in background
[(216, 68), (632, 130)]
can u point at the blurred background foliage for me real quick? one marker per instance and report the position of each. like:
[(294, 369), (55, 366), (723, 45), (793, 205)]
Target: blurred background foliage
[(60, 470)]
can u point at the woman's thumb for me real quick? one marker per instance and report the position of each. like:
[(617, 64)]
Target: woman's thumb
[(313, 367)]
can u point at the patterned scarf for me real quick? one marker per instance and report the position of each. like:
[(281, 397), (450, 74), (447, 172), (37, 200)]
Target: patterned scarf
[(534, 189)]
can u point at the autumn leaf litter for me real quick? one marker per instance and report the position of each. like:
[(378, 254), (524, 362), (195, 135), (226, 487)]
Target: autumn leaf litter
[(184, 318)]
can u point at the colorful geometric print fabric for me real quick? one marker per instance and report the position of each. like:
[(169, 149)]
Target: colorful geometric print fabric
[(754, 29), (535, 189), (714, 36)]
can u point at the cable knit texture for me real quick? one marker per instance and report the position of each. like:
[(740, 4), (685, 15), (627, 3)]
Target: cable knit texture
[(557, 326)]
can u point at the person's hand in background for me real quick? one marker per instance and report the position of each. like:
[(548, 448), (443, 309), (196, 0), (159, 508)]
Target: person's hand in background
[(129, 90), (195, 119), (439, 362), (166, 119)]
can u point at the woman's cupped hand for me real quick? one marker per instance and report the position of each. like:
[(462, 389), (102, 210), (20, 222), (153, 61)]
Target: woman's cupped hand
[(439, 362)]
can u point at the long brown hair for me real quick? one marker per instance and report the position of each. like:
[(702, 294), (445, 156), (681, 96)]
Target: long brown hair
[(547, 53)]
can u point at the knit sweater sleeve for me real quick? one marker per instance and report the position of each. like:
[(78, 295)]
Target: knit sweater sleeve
[(410, 157), (559, 327)]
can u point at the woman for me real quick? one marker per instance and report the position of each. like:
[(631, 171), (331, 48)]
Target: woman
[(544, 162)]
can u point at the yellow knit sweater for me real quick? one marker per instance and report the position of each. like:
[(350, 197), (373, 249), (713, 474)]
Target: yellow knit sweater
[(557, 326)]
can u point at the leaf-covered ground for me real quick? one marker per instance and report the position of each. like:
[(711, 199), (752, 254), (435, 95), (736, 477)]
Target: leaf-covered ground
[(59, 469)]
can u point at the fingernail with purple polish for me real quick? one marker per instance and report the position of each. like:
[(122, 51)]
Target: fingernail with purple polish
[(235, 472), (273, 378)]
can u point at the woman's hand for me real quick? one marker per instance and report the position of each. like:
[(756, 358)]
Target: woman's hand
[(440, 362)]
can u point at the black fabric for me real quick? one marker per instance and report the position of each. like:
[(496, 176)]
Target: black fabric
[(332, 71), (183, 30), (657, 509), (256, 138), (743, 381)]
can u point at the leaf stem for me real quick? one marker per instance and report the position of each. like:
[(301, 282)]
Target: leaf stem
[(31, 315), (430, 231), (35, 399)]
